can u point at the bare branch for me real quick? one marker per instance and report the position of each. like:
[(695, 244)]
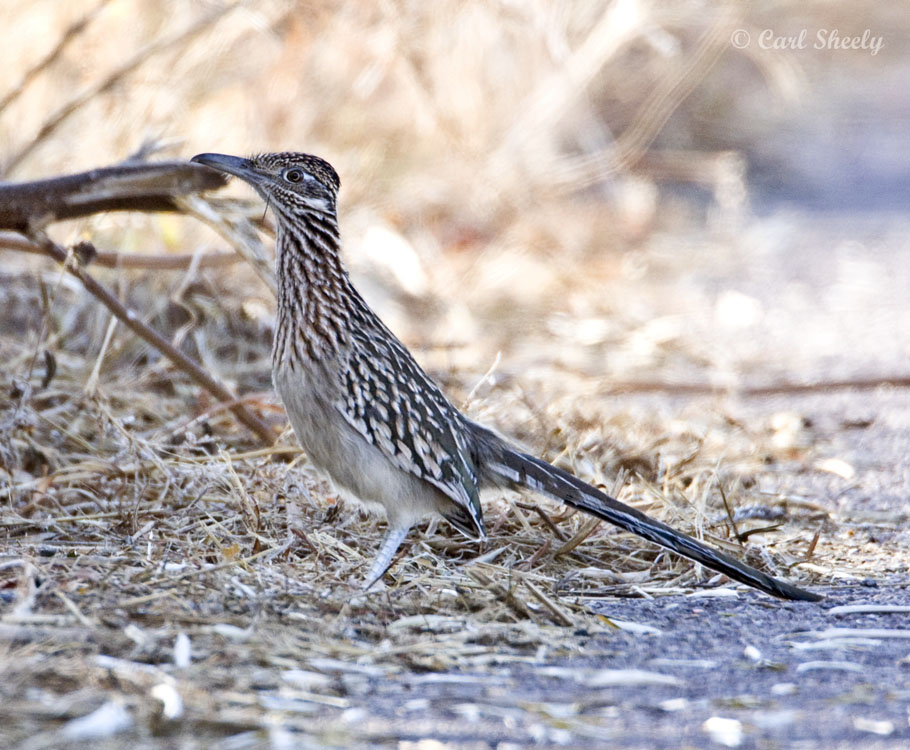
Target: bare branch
[(132, 321), (13, 241), (126, 187)]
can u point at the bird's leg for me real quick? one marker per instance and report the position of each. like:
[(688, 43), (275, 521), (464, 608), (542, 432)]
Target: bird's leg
[(393, 539)]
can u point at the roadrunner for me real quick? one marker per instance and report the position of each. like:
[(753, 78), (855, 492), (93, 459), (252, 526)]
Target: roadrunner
[(370, 417)]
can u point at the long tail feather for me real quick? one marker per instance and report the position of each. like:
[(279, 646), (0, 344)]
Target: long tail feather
[(522, 470)]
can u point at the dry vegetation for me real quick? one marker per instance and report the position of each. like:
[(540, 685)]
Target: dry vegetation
[(479, 218)]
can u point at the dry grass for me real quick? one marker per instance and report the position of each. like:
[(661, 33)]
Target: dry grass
[(142, 524), (136, 511), (119, 444)]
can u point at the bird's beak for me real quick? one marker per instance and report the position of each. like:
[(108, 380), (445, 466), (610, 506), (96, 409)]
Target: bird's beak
[(235, 165)]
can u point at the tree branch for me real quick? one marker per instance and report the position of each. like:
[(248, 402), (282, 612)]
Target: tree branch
[(27, 206)]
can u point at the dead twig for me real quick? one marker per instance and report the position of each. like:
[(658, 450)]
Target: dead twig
[(723, 496), (237, 230), (544, 516), (583, 533), (500, 592), (13, 241), (132, 321), (562, 617)]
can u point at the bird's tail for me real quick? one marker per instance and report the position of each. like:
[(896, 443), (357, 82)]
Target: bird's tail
[(522, 470)]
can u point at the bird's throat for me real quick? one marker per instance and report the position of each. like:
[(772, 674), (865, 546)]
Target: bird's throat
[(314, 294)]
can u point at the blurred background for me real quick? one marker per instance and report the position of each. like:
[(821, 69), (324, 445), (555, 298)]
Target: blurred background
[(594, 171), (576, 198)]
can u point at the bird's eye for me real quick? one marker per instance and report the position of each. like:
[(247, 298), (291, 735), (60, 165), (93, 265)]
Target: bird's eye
[(293, 175)]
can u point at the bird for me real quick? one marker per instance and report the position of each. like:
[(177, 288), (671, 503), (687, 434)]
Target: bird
[(367, 414)]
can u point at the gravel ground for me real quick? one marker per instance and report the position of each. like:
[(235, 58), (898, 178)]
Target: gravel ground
[(736, 672)]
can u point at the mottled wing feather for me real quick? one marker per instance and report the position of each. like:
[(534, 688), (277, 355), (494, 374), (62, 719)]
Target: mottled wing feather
[(392, 402)]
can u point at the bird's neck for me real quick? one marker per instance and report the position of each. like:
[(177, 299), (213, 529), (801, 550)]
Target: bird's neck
[(315, 295)]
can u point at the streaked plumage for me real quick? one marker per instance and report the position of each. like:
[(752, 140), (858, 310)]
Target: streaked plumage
[(370, 417)]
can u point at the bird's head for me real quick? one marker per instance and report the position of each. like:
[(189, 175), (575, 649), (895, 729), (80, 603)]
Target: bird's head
[(287, 180)]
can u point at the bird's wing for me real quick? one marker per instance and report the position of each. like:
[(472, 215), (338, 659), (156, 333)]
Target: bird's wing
[(390, 400)]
